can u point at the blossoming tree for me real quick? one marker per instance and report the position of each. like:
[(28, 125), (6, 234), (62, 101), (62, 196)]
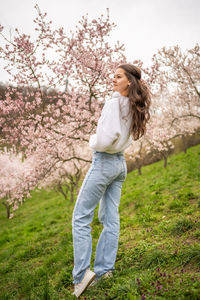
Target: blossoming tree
[(60, 85)]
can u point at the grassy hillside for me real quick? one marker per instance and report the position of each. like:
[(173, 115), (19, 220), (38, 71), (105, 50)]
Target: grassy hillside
[(159, 247)]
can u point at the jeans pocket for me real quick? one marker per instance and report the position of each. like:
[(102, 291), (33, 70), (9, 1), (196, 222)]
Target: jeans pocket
[(108, 167)]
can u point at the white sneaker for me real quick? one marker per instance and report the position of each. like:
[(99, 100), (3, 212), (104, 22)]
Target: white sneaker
[(79, 288), (106, 275)]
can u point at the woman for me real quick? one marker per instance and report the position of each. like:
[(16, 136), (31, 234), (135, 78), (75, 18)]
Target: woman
[(124, 115)]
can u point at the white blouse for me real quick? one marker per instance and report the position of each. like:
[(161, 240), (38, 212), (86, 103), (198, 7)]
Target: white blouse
[(113, 129)]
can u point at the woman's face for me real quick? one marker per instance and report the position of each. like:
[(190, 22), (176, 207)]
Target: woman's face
[(120, 82)]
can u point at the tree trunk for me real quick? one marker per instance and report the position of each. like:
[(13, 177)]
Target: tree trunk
[(165, 161), (140, 170), (7, 209), (60, 189), (76, 185), (184, 144), (72, 193)]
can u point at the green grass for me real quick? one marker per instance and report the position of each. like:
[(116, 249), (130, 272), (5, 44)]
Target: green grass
[(159, 246)]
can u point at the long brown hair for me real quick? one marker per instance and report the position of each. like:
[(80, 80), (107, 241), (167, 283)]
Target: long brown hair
[(140, 99)]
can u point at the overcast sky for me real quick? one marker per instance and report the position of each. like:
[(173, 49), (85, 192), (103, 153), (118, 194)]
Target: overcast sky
[(144, 26)]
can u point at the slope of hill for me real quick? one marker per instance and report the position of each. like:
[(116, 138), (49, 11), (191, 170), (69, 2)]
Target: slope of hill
[(159, 247)]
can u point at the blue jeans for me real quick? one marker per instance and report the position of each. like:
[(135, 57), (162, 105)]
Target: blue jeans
[(103, 183)]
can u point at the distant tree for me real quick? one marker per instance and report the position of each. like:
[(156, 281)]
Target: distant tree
[(137, 155), (177, 73)]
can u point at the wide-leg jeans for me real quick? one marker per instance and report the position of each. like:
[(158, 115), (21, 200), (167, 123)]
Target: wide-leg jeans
[(103, 183)]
